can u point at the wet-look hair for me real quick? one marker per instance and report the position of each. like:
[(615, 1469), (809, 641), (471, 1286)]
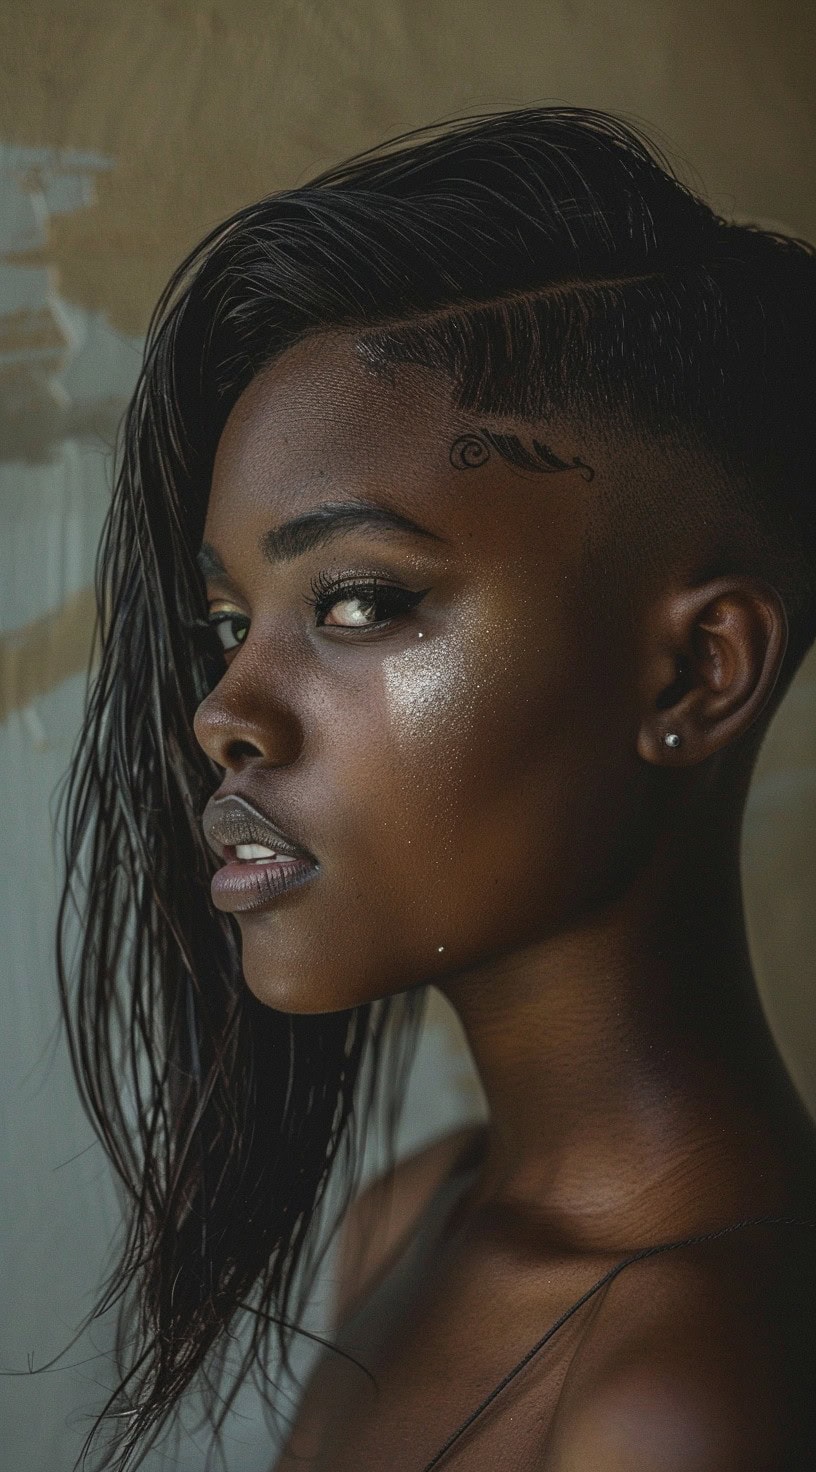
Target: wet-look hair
[(549, 263)]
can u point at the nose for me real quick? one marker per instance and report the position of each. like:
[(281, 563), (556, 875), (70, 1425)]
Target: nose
[(242, 720)]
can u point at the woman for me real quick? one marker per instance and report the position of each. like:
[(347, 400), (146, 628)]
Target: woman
[(461, 551)]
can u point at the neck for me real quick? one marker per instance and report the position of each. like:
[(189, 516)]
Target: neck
[(635, 1091)]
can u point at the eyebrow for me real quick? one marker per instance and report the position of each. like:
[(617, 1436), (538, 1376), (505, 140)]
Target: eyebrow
[(333, 518)]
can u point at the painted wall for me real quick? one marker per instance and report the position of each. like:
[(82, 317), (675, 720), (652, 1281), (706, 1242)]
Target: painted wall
[(126, 131)]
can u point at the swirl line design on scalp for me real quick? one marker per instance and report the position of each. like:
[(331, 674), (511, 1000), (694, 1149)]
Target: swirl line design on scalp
[(470, 451)]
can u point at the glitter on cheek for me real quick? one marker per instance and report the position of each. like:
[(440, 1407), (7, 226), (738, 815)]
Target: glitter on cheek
[(435, 695), (431, 692), (423, 686), (441, 694)]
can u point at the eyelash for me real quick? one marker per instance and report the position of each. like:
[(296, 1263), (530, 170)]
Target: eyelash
[(328, 589)]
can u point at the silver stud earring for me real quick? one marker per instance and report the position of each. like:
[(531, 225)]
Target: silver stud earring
[(671, 738)]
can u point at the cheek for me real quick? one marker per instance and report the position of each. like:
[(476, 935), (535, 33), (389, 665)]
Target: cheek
[(466, 795), (430, 707), (471, 727), (510, 790), (468, 712), (450, 719)]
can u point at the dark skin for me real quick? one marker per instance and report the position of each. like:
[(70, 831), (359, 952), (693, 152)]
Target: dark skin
[(485, 784)]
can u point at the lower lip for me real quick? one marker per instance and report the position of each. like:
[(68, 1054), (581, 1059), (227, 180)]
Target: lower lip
[(254, 883)]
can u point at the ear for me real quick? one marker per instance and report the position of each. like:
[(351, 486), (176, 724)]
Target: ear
[(712, 660)]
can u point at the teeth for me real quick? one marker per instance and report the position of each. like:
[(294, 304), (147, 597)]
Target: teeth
[(253, 851)]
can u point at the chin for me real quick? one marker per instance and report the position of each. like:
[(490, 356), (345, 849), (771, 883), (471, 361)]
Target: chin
[(304, 990), (302, 995), (301, 968)]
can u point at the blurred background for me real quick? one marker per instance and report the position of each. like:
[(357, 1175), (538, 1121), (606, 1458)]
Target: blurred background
[(126, 132)]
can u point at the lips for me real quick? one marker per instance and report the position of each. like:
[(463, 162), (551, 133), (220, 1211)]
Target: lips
[(249, 882), (232, 820)]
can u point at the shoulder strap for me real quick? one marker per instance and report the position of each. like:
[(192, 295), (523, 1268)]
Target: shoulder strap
[(607, 1278)]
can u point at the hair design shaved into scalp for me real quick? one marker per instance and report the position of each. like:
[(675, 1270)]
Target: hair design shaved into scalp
[(550, 264), (470, 451), (551, 267)]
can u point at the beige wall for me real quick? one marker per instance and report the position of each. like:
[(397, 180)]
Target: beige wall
[(205, 106)]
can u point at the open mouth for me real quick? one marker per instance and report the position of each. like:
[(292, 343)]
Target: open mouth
[(254, 875), (255, 853)]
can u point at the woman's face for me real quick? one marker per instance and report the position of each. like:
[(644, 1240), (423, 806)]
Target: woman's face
[(459, 754)]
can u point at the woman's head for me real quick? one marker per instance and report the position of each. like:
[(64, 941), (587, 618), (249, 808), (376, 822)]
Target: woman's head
[(536, 345), (459, 749), (586, 396)]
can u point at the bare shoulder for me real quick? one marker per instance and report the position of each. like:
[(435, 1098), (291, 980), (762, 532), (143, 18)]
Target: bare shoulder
[(691, 1368), (385, 1215), (647, 1415), (378, 1225)]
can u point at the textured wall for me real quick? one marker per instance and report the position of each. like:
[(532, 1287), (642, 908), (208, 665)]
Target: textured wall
[(126, 130), (202, 107)]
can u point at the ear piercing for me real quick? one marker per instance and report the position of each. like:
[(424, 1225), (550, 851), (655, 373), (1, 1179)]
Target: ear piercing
[(671, 738)]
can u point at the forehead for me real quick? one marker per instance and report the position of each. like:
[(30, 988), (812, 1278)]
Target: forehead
[(321, 410), (321, 426)]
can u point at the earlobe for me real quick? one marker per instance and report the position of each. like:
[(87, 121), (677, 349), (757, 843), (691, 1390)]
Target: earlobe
[(724, 643)]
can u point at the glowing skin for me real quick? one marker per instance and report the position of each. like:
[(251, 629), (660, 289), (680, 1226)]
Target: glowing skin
[(440, 781)]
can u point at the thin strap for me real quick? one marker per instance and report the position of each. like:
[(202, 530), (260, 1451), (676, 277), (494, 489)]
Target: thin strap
[(607, 1278)]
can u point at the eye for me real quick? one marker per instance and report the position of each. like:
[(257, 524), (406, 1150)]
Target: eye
[(229, 628), (359, 603)]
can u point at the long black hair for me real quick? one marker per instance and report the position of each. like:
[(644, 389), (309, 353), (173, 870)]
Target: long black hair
[(546, 260)]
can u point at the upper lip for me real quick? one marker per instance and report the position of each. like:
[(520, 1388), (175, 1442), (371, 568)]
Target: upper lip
[(233, 819)]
